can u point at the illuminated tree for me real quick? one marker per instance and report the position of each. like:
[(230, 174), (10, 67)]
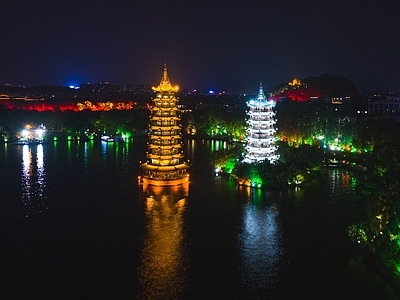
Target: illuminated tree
[(381, 194)]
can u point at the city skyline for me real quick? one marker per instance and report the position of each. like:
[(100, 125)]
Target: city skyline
[(207, 46)]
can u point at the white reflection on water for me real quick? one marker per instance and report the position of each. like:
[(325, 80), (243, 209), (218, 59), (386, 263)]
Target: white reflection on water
[(163, 267), (33, 180), (260, 245)]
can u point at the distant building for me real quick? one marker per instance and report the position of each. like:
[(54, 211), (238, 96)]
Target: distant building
[(21, 97), (101, 87), (139, 89), (380, 104), (295, 83)]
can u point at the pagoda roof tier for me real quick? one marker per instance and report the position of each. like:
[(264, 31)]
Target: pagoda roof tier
[(165, 108), (260, 113), (259, 128), (261, 123), (261, 106), (164, 100), (165, 137), (165, 127), (149, 167), (174, 118), (258, 136), (260, 151), (152, 146), (165, 157), (256, 129)]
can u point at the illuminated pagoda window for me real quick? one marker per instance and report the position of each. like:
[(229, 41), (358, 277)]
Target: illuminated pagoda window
[(260, 131), (165, 163)]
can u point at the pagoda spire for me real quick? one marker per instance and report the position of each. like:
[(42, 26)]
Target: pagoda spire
[(165, 84), (165, 79), (261, 94)]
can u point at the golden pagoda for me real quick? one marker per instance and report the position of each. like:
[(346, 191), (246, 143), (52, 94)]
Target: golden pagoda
[(165, 165)]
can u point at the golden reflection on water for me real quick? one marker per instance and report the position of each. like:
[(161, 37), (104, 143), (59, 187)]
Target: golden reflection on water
[(163, 266)]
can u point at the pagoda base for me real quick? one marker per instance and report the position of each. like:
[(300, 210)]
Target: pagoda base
[(173, 193), (144, 181)]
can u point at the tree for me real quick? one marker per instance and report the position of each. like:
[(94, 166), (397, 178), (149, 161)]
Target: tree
[(381, 195)]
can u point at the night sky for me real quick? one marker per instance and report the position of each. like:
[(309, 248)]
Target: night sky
[(222, 45)]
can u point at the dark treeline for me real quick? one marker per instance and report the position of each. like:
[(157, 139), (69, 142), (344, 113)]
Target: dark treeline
[(74, 123)]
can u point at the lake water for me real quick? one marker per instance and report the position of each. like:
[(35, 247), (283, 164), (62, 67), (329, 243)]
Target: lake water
[(75, 225)]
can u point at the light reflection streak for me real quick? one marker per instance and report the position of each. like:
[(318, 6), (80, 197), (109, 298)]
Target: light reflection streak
[(335, 180), (116, 151), (85, 158), (125, 155), (341, 183), (163, 267), (69, 144), (260, 244), (190, 149), (5, 149), (33, 180), (41, 175), (105, 148)]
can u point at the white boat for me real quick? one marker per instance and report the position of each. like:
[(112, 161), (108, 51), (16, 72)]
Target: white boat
[(28, 142), (107, 138)]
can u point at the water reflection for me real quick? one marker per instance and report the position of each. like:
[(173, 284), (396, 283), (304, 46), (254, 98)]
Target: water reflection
[(260, 244), (342, 183), (105, 148), (163, 263), (215, 145), (33, 179), (190, 149)]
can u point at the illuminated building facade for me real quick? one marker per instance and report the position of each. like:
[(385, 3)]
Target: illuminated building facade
[(260, 132), (165, 165)]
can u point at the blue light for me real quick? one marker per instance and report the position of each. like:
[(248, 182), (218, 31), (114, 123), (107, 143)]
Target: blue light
[(73, 81)]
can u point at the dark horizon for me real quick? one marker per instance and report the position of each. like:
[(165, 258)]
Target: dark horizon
[(209, 45)]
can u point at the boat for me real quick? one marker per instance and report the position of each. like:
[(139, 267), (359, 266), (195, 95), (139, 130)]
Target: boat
[(107, 138), (23, 141)]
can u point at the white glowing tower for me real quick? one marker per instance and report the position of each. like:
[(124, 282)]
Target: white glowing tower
[(260, 132)]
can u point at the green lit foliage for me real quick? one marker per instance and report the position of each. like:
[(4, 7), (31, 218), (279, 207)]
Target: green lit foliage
[(313, 124), (255, 177), (380, 193), (357, 234), (248, 174), (219, 122), (230, 165), (226, 159), (262, 174), (297, 164)]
